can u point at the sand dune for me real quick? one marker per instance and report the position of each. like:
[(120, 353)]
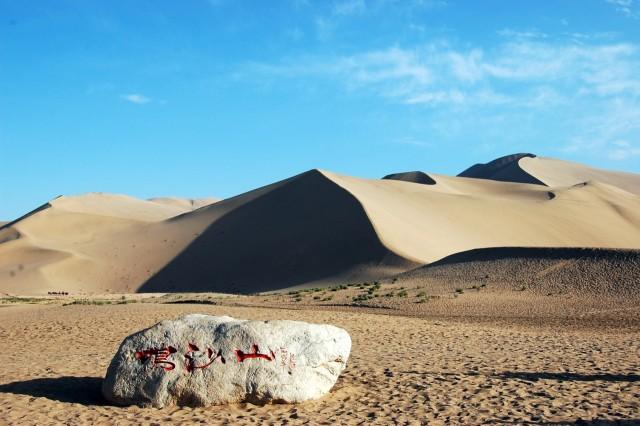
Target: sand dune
[(553, 172), (185, 203), (320, 227), (415, 177), (545, 271), (82, 243), (505, 169), (425, 223), (301, 230), (314, 228), (528, 168)]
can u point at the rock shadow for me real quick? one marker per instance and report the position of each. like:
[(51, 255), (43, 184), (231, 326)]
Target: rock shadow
[(79, 390)]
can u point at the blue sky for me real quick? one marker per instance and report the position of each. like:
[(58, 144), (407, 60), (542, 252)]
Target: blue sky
[(214, 98)]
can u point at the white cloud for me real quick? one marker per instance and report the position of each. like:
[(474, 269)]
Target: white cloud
[(625, 7), (467, 66), (510, 33), (584, 96), (413, 142), (528, 72), (136, 98)]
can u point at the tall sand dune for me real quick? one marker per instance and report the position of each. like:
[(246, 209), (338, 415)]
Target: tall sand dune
[(314, 228), (305, 229), (529, 168)]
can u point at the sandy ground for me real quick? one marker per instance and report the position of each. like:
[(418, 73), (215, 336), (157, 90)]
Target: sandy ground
[(403, 370)]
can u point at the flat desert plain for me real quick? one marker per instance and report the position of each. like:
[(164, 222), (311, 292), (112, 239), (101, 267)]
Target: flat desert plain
[(471, 362)]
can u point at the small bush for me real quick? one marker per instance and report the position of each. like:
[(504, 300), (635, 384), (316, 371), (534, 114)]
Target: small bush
[(362, 298), (459, 290), (402, 293), (88, 302)]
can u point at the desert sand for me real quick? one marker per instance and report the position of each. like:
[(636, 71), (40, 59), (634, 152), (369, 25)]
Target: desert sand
[(316, 228), (442, 369)]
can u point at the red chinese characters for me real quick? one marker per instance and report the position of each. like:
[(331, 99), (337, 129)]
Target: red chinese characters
[(201, 359), (241, 356), (160, 357)]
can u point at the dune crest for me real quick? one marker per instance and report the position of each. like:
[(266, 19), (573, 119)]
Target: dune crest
[(529, 168), (505, 169), (185, 203), (415, 177)]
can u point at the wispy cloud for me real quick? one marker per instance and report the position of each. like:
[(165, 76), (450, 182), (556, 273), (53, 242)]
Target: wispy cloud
[(610, 129), (136, 98), (349, 7), (511, 33), (623, 150), (412, 142), (589, 90), (516, 70), (626, 7)]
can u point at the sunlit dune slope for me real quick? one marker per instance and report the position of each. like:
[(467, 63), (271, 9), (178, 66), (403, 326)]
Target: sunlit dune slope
[(185, 203), (554, 172), (83, 243)]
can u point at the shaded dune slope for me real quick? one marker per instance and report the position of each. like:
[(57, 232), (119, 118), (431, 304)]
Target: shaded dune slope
[(505, 169), (415, 177), (304, 230), (546, 271)]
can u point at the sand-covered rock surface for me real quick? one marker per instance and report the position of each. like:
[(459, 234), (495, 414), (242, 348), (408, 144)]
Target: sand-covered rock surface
[(403, 370)]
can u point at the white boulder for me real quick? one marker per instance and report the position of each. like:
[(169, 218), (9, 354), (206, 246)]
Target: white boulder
[(200, 360)]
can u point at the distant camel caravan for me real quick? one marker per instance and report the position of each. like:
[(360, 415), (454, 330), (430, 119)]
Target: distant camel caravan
[(58, 293)]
